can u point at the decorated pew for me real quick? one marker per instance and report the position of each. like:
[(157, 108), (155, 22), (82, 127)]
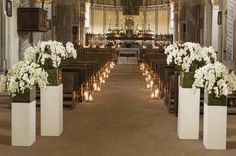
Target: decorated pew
[(75, 73)]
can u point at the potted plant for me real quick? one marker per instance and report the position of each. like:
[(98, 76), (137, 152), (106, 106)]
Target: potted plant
[(21, 82), (49, 55), (218, 83), (188, 57)]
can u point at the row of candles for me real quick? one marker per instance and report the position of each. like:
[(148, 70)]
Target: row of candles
[(95, 82), (151, 79)]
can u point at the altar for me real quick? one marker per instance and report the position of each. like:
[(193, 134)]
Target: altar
[(127, 55)]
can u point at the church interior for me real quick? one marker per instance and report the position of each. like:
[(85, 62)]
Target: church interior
[(117, 77)]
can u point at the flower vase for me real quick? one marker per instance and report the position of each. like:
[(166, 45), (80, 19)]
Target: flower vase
[(24, 118), (52, 105), (214, 122), (188, 108)]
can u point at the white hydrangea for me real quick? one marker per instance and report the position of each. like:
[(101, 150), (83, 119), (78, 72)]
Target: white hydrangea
[(216, 79), (187, 54), (2, 83), (25, 75)]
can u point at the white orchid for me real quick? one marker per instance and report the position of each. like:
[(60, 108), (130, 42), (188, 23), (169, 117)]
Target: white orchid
[(25, 75), (30, 54), (53, 51), (187, 54), (216, 79), (2, 83)]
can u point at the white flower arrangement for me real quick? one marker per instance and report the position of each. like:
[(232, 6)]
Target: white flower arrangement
[(30, 54), (50, 50), (25, 75), (186, 55), (216, 79), (3, 80)]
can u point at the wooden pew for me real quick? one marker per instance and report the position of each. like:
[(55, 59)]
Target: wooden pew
[(76, 73)]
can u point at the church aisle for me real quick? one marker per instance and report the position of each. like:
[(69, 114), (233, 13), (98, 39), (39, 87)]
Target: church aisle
[(122, 121)]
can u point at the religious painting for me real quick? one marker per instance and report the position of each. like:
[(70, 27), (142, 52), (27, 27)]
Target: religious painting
[(131, 7)]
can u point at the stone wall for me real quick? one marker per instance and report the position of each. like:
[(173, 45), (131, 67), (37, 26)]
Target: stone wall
[(230, 30)]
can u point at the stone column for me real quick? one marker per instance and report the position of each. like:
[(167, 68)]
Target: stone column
[(24, 37), (117, 18), (156, 21), (82, 25), (207, 23), (176, 25), (3, 54), (234, 50), (92, 19), (181, 24), (220, 32), (145, 19), (217, 28), (104, 21), (230, 32)]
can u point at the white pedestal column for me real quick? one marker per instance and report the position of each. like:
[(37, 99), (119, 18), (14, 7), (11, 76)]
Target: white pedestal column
[(52, 111), (188, 113), (23, 123), (215, 127)]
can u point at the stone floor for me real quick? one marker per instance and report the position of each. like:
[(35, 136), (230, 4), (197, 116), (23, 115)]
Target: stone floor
[(122, 121)]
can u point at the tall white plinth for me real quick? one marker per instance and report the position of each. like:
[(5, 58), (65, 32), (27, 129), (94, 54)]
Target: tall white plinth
[(52, 111), (188, 113), (23, 123), (215, 127)]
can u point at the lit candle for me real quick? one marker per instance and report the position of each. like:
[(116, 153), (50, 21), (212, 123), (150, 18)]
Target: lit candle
[(95, 86), (156, 93), (98, 89), (86, 95), (90, 98), (146, 72), (151, 84), (148, 86), (100, 79), (152, 96), (104, 74)]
